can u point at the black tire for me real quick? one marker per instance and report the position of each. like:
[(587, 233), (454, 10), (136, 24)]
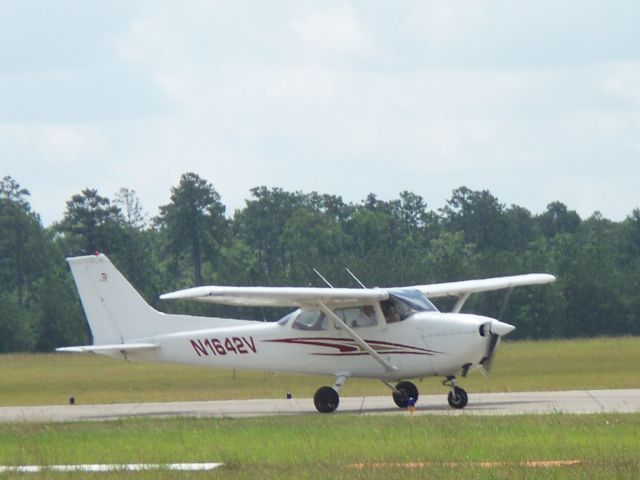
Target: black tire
[(458, 398), (407, 390), (326, 399)]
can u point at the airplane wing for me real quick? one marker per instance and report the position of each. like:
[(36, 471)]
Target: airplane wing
[(464, 289), (119, 347), (457, 289), (312, 297), (278, 296)]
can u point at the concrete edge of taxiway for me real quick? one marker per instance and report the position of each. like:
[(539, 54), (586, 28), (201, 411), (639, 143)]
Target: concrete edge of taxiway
[(513, 403)]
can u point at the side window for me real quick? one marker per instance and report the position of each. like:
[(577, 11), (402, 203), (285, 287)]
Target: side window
[(312, 320), (364, 316)]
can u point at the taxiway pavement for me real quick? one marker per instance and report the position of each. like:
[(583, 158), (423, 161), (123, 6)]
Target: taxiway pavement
[(515, 403)]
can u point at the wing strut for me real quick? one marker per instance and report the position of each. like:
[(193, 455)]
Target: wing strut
[(461, 301), (357, 338)]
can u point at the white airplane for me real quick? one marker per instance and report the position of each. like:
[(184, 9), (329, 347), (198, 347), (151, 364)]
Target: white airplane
[(391, 334)]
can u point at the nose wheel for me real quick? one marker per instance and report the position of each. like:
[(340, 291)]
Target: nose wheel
[(457, 396)]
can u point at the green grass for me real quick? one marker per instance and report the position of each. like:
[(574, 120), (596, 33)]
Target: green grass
[(46, 379), (320, 446)]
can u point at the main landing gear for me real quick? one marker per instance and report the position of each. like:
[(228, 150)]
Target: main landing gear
[(457, 397), (403, 392), (327, 399)]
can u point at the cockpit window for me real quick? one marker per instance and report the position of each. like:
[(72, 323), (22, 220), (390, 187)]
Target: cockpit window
[(284, 320), (403, 303), (354, 317), (311, 320)]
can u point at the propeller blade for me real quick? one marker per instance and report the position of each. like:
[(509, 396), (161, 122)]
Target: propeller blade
[(487, 360), (497, 330)]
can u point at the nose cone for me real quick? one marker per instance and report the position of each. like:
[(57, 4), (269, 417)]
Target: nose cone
[(501, 328)]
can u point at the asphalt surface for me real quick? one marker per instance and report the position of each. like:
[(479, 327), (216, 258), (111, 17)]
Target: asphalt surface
[(579, 401)]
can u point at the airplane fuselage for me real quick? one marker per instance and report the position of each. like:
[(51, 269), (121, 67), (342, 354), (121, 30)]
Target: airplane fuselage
[(425, 344)]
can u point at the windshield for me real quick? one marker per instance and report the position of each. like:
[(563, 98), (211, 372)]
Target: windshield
[(284, 320), (311, 320), (414, 298), (405, 302)]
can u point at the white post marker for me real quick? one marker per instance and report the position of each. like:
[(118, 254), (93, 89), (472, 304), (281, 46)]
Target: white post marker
[(125, 467)]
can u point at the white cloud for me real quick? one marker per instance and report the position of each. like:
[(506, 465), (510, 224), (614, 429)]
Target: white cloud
[(54, 144), (446, 22), (332, 32), (623, 79), (69, 143)]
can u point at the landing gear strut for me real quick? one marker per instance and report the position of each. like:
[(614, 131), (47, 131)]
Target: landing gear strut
[(457, 397)]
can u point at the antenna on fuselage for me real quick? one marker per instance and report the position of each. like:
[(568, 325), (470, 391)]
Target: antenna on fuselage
[(355, 278), (323, 279)]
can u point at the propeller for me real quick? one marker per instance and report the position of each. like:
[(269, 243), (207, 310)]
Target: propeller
[(487, 360), (496, 329)]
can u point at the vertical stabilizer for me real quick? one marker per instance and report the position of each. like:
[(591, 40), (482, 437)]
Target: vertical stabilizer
[(115, 310)]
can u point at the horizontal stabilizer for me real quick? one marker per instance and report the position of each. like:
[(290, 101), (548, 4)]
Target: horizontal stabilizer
[(119, 347)]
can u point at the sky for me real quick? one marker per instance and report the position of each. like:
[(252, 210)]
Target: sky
[(535, 101)]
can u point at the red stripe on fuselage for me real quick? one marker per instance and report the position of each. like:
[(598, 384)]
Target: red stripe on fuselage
[(348, 346)]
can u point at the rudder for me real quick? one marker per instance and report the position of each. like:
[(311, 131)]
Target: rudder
[(114, 309)]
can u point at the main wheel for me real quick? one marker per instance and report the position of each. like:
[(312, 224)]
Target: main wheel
[(326, 399), (457, 397), (407, 390)]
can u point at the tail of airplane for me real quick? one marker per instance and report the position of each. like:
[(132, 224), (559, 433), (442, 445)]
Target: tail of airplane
[(119, 318), (115, 310)]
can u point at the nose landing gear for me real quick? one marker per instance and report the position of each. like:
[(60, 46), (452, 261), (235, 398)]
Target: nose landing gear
[(457, 396)]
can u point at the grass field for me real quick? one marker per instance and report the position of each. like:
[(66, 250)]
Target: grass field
[(520, 366), (341, 446), (327, 446)]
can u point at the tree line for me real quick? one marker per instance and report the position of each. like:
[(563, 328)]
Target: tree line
[(279, 237)]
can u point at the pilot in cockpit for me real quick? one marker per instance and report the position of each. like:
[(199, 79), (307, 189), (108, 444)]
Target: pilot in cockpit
[(389, 311), (367, 317)]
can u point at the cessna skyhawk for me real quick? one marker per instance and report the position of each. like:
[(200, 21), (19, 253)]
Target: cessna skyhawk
[(391, 334)]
